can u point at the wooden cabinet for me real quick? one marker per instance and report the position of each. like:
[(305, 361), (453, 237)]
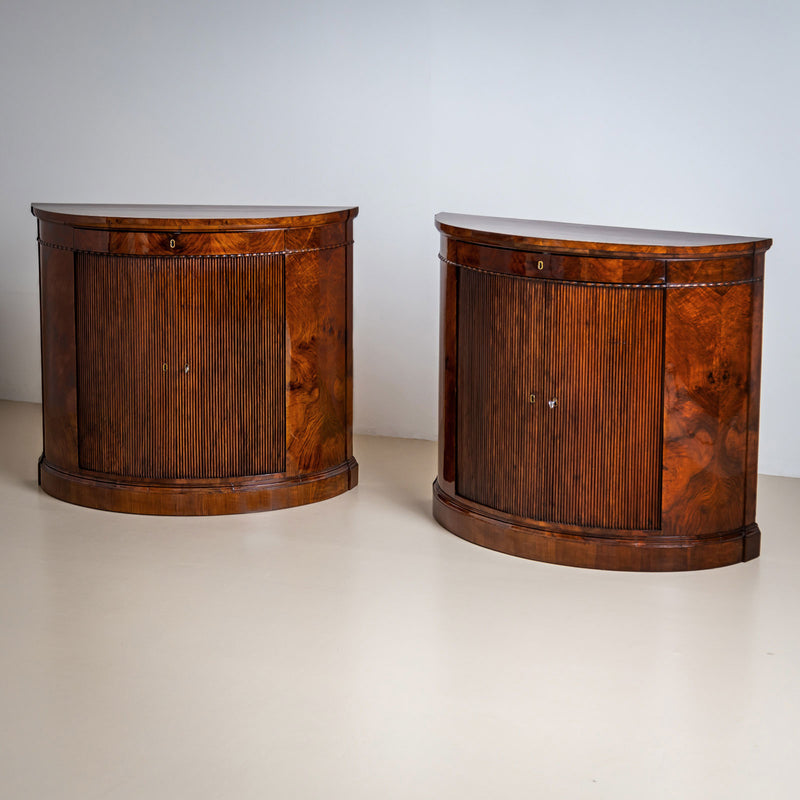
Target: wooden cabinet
[(196, 360), (599, 393)]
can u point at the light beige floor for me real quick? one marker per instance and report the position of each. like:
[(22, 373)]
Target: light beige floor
[(355, 649)]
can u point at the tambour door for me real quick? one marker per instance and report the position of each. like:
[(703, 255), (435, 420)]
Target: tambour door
[(501, 439), (603, 391), (559, 399), (181, 365)]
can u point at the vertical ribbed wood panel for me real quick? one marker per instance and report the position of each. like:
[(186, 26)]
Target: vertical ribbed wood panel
[(593, 459), (140, 323), (605, 363), (501, 346)]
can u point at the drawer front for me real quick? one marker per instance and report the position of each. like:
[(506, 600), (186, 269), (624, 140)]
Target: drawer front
[(582, 269), (552, 266), (181, 365), (495, 259), (177, 243)]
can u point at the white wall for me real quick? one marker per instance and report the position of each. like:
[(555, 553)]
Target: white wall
[(679, 115)]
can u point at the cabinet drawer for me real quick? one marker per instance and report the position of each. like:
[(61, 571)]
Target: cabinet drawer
[(607, 270), (495, 259), (166, 243), (556, 267)]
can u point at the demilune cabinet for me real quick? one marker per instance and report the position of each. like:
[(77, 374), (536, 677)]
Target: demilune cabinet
[(599, 392), (196, 359)]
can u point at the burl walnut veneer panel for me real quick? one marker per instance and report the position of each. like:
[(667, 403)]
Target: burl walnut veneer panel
[(599, 393), (196, 360)]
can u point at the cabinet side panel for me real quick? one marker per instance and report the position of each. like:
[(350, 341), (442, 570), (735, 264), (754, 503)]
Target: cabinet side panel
[(316, 343), (706, 384), (755, 392), (604, 371), (501, 341), (180, 365), (59, 393), (448, 358), (348, 250)]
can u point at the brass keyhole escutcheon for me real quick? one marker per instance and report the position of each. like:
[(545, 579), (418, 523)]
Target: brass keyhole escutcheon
[(164, 366), (533, 398), (540, 265), (172, 243)]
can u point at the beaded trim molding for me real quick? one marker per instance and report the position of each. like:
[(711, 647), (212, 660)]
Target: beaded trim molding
[(193, 255), (605, 285)]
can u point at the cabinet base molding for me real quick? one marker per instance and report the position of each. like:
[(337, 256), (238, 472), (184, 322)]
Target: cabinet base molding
[(197, 497), (622, 550)]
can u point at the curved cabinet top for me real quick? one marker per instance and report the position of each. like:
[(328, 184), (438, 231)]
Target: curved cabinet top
[(563, 237), (189, 218)]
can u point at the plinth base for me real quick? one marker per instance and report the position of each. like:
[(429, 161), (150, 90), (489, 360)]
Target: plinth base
[(197, 497), (555, 544)]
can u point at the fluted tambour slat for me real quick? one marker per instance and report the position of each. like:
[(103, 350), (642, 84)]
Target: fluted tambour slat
[(139, 324), (498, 431), (592, 460)]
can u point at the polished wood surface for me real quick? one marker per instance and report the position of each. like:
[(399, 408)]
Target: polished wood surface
[(600, 411), (184, 218), (205, 372), (181, 365), (524, 234)]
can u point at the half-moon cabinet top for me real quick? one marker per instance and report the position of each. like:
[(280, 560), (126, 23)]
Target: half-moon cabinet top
[(196, 359), (599, 392)]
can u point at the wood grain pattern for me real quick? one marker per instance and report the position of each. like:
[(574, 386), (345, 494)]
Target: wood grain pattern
[(717, 270), (706, 388), (196, 364), (754, 393), (604, 367), (181, 366), (600, 240), (593, 458), (348, 269), (197, 498), (59, 385), (547, 542), (607, 270), (647, 461), (188, 217), (316, 345), (448, 366), (502, 451), (544, 266), (179, 243)]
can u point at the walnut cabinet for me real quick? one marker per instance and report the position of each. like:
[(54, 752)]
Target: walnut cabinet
[(599, 392), (196, 360)]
